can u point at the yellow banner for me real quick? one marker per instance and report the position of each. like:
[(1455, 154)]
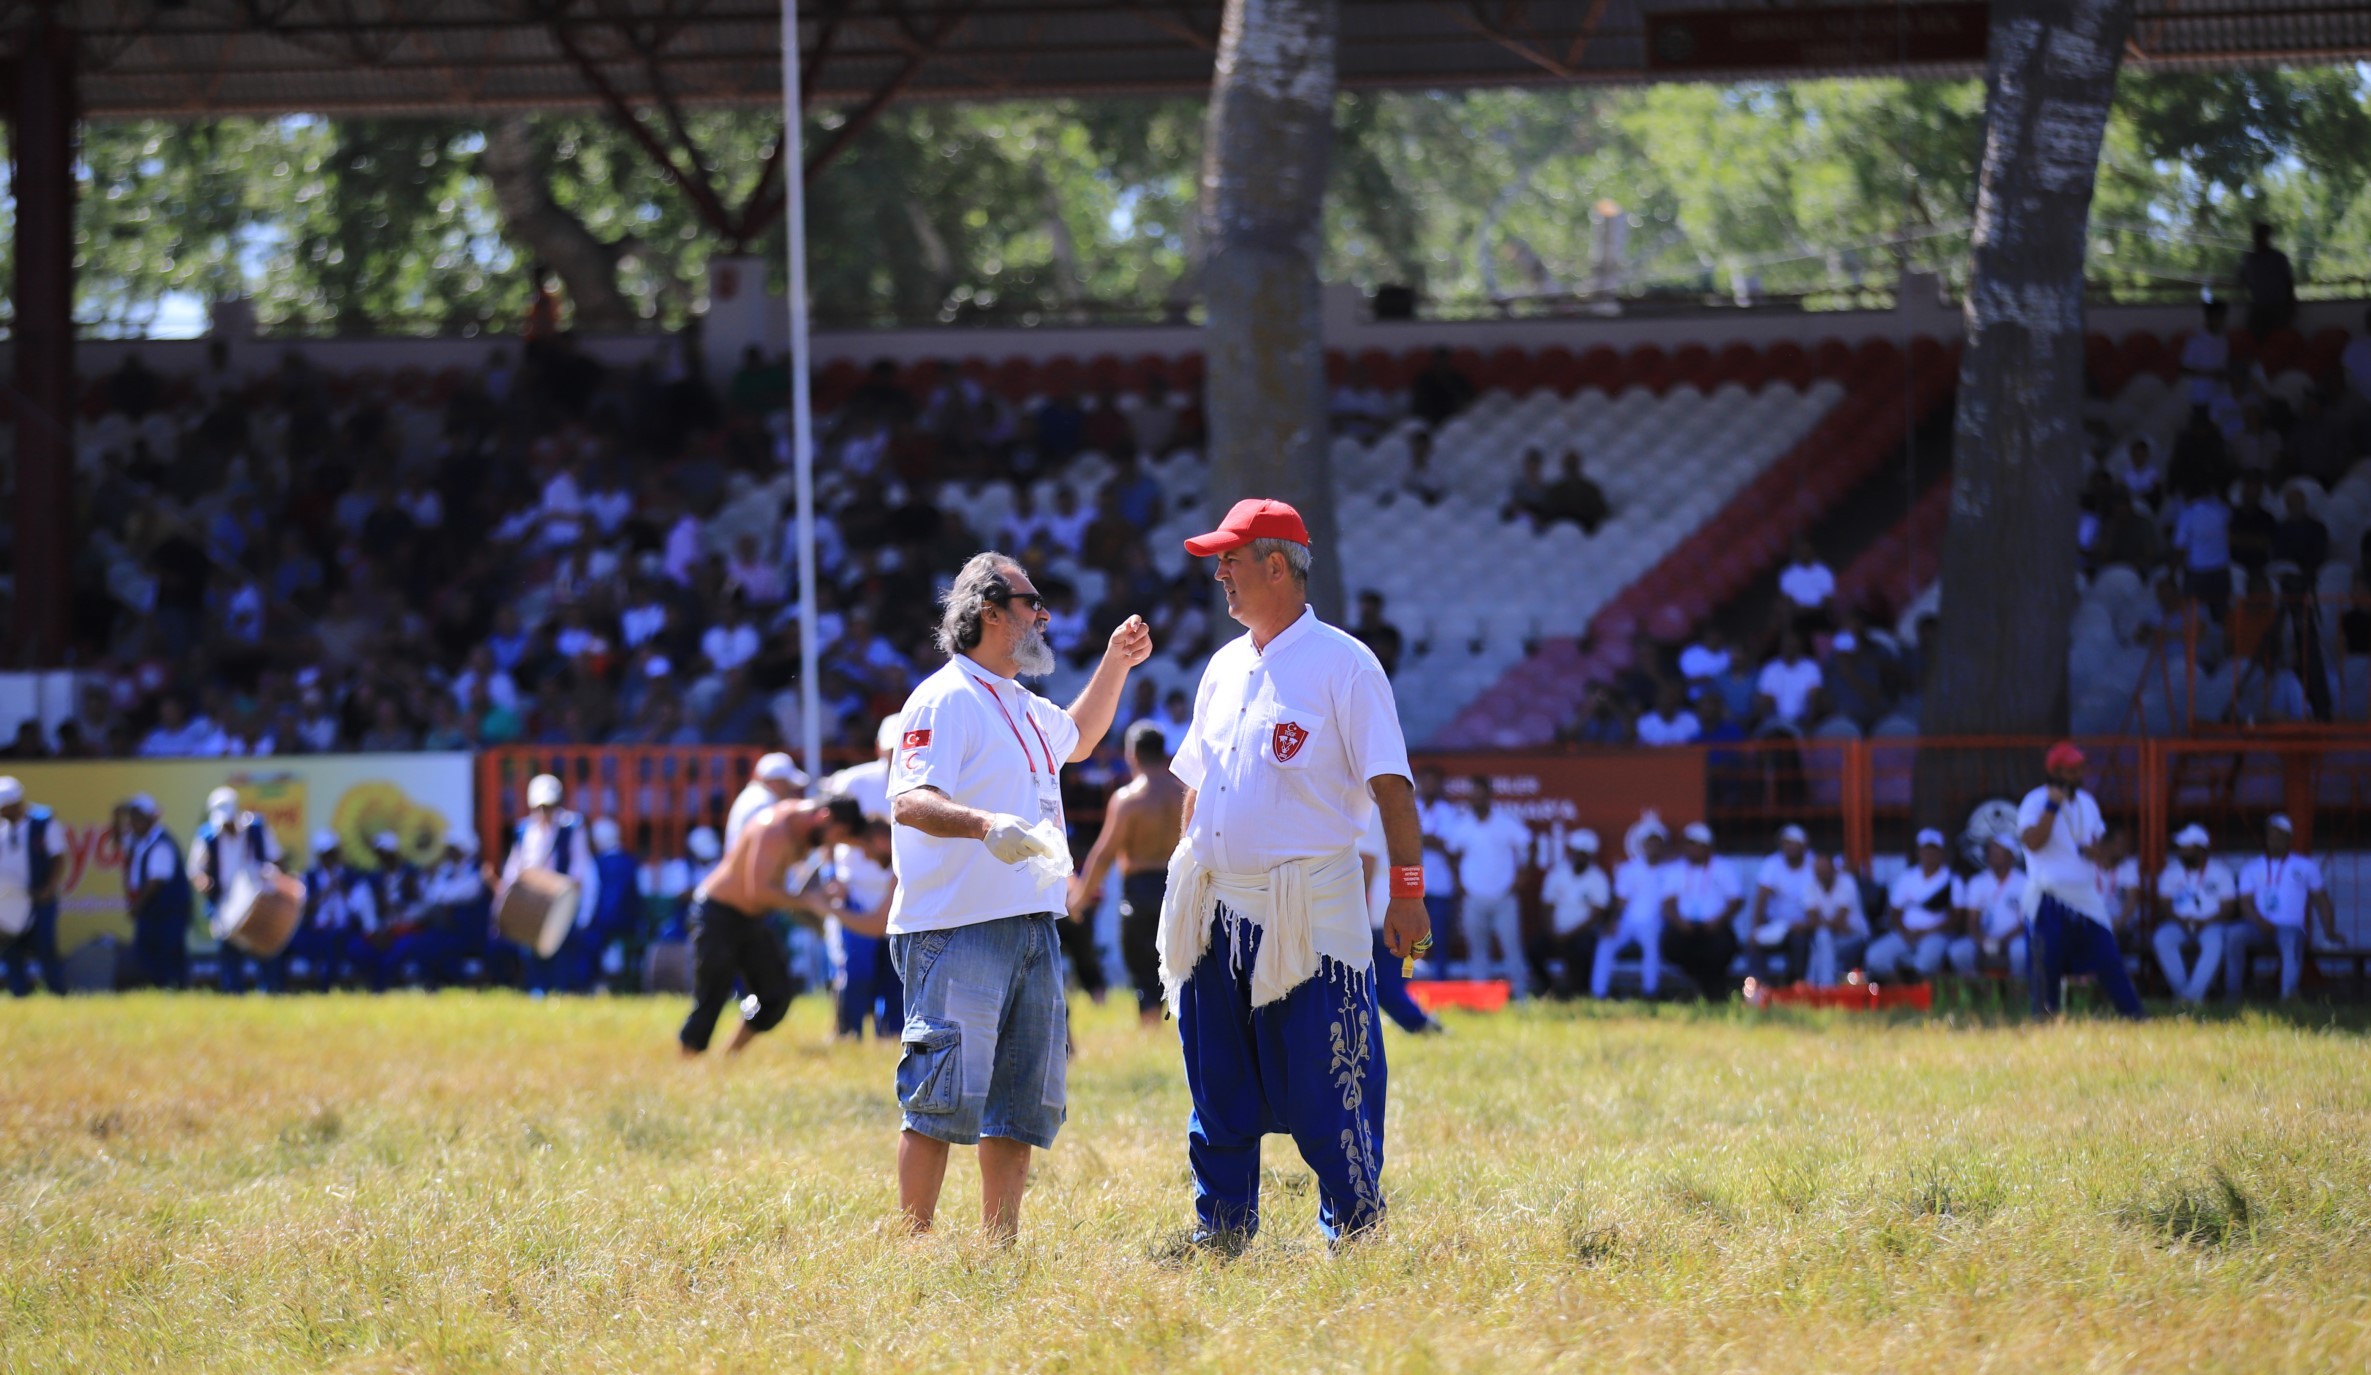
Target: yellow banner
[(356, 796)]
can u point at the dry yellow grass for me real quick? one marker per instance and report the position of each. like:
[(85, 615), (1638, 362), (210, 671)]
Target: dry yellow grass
[(481, 1182)]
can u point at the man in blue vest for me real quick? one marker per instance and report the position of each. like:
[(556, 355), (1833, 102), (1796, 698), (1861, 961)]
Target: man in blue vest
[(32, 868), (620, 906), (457, 895), (157, 892), (234, 844), (552, 837), (341, 915)]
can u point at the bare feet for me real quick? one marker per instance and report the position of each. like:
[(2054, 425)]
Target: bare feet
[(742, 1036)]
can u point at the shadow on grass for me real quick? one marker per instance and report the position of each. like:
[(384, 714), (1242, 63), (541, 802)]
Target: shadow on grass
[(2216, 1213)]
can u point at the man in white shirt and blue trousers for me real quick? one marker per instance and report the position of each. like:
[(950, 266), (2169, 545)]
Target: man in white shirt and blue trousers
[(2059, 825), (156, 888), (32, 870), (974, 789), (233, 843), (1266, 952)]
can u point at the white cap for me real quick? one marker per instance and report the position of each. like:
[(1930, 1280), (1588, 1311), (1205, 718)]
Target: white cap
[(1583, 841), (543, 790), (604, 833), (2279, 821), (1698, 832), (703, 844), (11, 791), (777, 768), (222, 802), (463, 839), (385, 840), (141, 803), (325, 842), (1792, 832), (2192, 835), (892, 729), (1931, 836)]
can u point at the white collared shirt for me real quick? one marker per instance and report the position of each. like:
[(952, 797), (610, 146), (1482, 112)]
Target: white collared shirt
[(990, 744), (2197, 895), (1998, 902), (1843, 894), (1703, 891), (236, 846), (2058, 869), (1925, 900), (16, 869), (1282, 746), (1490, 851), (2281, 887), (1575, 896), (1641, 887), (1788, 885), (1437, 819)]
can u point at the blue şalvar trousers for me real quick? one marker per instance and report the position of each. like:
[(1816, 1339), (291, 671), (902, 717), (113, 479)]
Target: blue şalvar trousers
[(2064, 942), (1309, 1064)]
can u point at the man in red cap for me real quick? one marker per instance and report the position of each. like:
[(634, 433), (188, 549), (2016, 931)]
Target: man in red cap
[(2060, 827), (1267, 952)]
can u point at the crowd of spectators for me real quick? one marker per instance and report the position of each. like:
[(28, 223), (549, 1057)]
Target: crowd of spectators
[(553, 550)]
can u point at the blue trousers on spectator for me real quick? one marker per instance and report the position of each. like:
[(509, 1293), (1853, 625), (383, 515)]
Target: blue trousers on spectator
[(334, 954), (869, 987), (1309, 1064), (36, 944), (242, 971), (1442, 909), (1391, 990), (569, 970), (160, 942), (2066, 942), (425, 950)]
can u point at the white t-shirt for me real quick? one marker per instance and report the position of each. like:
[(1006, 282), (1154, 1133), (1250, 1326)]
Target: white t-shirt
[(1925, 900), (2058, 869), (1999, 903), (1703, 891), (1490, 852), (1788, 887), (1681, 728), (1789, 686), (2281, 887), (1842, 894), (1282, 745), (1440, 877), (16, 869), (866, 879), (1574, 896), (1641, 887), (2197, 895), (1703, 661), (867, 784), (1807, 585), (987, 743)]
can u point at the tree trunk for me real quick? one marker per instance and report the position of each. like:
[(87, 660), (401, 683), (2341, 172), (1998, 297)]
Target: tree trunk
[(533, 219), (1263, 180), (2009, 556)]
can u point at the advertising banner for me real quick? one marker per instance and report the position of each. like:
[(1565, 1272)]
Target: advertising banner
[(417, 796)]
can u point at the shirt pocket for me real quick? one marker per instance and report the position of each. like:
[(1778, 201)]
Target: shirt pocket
[(1292, 736)]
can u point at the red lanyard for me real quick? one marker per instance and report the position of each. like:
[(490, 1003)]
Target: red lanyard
[(1016, 730)]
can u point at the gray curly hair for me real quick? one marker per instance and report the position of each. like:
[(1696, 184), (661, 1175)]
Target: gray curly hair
[(982, 583)]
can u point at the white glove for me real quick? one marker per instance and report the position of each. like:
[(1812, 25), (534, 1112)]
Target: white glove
[(1008, 839)]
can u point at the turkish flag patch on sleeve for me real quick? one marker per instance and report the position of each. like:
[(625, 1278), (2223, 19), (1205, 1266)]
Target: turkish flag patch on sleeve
[(917, 739)]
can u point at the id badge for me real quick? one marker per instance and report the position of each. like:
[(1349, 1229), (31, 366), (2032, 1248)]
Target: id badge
[(1049, 798)]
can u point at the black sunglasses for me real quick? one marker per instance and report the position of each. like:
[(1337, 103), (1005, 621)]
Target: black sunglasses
[(1036, 602)]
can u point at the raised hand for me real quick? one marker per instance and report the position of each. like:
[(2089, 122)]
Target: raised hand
[(1131, 643)]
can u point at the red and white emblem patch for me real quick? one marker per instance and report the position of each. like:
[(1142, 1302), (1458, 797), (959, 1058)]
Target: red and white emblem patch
[(913, 744), (1288, 741), (917, 739)]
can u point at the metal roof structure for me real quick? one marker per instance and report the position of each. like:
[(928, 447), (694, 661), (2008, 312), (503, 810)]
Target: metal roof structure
[(183, 58)]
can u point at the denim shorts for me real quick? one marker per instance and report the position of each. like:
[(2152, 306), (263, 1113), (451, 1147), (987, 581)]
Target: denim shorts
[(987, 1031)]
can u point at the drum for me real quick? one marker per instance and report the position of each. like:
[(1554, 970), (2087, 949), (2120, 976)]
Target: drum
[(538, 911), (260, 913)]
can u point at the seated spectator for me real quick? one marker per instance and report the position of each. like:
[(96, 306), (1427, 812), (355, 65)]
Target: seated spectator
[(1861, 679), (1574, 497), (1640, 886), (1716, 725), (1181, 623), (2206, 358), (1420, 481), (1066, 525), (1921, 916), (1839, 927), (2202, 532), (1110, 535), (2300, 538), (1177, 713), (1602, 719), (2140, 474), (2126, 535), (1707, 658), (1138, 494), (1024, 526), (1806, 586), (1439, 391), (179, 734), (1776, 920), (754, 578), (732, 641), (2201, 899), (1376, 633), (1700, 905), (2256, 448), (1154, 419), (2280, 892), (2270, 284), (1106, 429), (1066, 623), (1580, 900), (1670, 723), (1061, 428), (1993, 904), (1527, 497), (1789, 685)]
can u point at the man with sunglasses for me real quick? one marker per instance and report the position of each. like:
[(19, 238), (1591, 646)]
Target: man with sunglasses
[(974, 926)]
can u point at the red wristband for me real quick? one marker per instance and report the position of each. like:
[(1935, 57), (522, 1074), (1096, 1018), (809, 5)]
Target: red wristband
[(1407, 881)]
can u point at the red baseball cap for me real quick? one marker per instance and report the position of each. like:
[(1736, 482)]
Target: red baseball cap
[(2063, 755), (1252, 518)]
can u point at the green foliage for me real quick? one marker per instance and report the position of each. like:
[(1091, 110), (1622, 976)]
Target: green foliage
[(1076, 208)]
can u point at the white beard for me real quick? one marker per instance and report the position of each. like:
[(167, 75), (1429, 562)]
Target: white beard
[(1033, 657)]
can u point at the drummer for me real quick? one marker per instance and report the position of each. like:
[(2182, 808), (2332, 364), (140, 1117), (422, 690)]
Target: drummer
[(414, 945), (775, 779), (341, 916), (553, 838), (227, 855)]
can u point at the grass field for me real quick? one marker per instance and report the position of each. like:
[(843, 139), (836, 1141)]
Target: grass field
[(481, 1182)]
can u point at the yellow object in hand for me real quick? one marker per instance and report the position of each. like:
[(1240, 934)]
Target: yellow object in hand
[(1415, 953)]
